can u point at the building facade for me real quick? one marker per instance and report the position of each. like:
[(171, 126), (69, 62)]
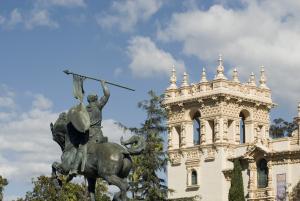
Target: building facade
[(211, 123)]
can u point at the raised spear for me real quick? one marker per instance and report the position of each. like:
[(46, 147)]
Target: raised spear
[(91, 78)]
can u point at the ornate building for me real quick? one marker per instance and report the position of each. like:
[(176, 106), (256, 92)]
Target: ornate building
[(211, 123)]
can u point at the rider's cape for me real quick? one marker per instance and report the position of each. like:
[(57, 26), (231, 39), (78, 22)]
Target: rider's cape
[(79, 117)]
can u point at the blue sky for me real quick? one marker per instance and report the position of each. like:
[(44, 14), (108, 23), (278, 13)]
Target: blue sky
[(134, 43)]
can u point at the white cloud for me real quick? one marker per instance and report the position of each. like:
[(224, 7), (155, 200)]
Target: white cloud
[(6, 91), (26, 146), (39, 15), (45, 4), (6, 102), (30, 20), (263, 32), (148, 60), (126, 14), (41, 102), (65, 3), (7, 116), (40, 18), (15, 18), (113, 131), (6, 99), (28, 134)]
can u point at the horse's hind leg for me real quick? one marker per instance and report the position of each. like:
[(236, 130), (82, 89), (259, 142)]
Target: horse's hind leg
[(91, 188), (119, 182)]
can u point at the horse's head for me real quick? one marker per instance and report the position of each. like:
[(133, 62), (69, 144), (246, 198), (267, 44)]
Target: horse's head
[(59, 129)]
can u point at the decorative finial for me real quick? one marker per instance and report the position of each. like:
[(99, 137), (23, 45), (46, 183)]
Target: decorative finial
[(252, 80), (263, 78), (185, 80), (235, 77), (173, 79), (248, 82), (220, 60), (203, 77), (220, 69)]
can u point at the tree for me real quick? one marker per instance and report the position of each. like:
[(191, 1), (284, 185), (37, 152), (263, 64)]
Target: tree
[(3, 183), (282, 128), (145, 181), (44, 189), (236, 191), (295, 194)]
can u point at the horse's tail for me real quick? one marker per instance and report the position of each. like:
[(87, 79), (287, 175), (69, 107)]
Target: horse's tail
[(137, 144)]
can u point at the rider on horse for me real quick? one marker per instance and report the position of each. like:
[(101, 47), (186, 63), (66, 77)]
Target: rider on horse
[(95, 135)]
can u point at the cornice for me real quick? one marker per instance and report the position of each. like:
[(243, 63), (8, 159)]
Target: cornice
[(215, 94)]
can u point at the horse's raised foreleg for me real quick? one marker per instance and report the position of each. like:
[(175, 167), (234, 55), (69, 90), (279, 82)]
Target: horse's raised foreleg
[(56, 168), (91, 188), (122, 184)]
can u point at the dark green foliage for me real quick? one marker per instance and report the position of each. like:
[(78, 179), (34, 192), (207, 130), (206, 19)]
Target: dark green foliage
[(3, 183), (282, 128), (295, 194), (144, 180), (236, 191), (44, 189)]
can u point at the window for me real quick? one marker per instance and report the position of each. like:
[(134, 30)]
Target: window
[(246, 131), (262, 173), (231, 131), (197, 128), (178, 132), (242, 128), (211, 130), (194, 177)]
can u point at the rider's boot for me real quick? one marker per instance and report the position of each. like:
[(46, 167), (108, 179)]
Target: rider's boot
[(74, 170)]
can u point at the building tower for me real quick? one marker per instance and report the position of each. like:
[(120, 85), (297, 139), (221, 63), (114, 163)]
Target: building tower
[(209, 123)]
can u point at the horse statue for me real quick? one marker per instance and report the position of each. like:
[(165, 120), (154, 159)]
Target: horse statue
[(109, 161)]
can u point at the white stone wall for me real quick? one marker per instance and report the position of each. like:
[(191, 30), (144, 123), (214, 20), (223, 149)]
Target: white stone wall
[(210, 177), (245, 181)]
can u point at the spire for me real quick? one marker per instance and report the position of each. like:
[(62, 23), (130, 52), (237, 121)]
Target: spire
[(263, 78), (185, 80), (203, 77), (220, 69), (220, 60), (173, 79), (252, 80), (235, 77)]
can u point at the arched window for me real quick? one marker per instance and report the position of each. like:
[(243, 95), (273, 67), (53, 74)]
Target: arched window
[(212, 129), (262, 173), (178, 136), (245, 126), (194, 178), (197, 128), (242, 128)]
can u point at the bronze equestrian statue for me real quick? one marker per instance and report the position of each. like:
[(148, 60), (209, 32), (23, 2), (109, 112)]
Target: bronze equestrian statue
[(86, 151), (109, 161)]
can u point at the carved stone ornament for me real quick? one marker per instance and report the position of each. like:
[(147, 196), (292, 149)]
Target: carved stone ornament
[(175, 157)]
